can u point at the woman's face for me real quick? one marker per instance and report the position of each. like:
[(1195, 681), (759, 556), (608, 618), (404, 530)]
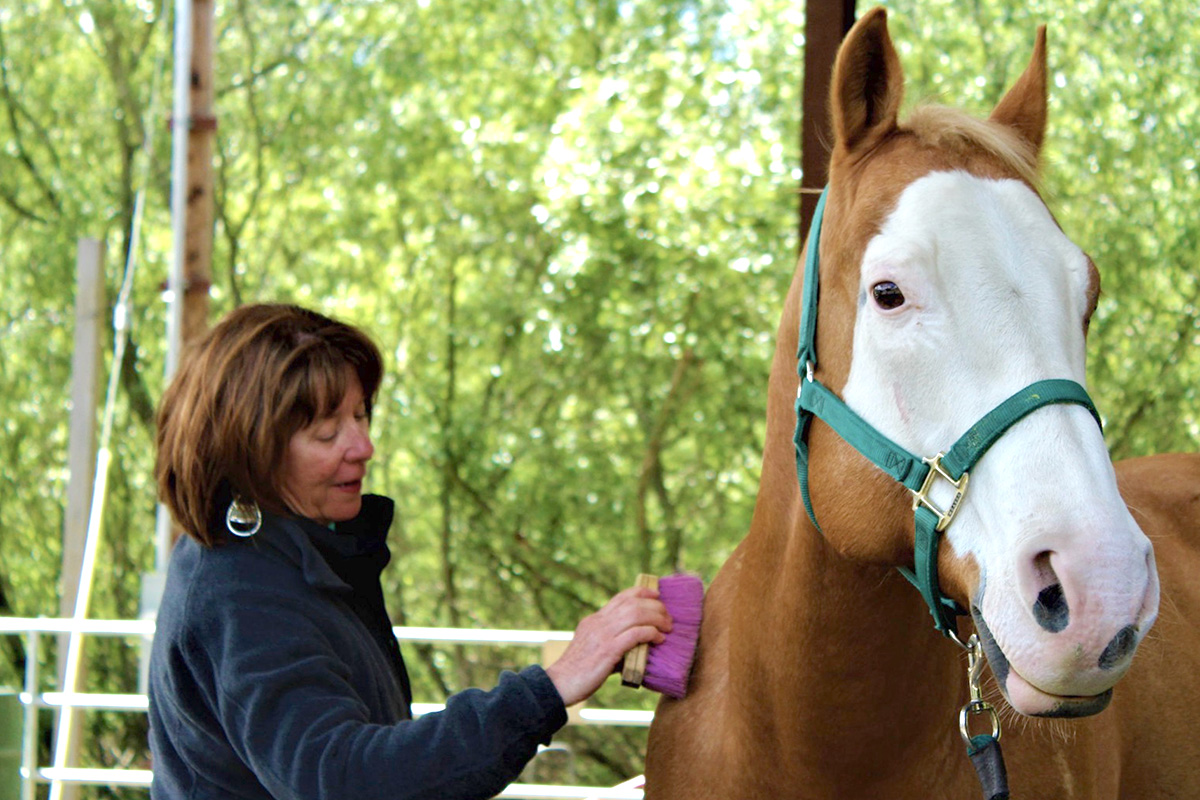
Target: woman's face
[(325, 462)]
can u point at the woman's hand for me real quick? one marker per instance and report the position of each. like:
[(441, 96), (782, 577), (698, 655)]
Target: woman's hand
[(634, 616)]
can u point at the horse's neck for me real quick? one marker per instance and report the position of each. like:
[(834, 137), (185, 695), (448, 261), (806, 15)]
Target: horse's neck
[(842, 659), (836, 661)]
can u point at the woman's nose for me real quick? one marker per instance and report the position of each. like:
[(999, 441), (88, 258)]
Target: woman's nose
[(360, 448)]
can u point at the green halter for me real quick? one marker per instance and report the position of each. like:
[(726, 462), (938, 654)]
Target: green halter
[(916, 474)]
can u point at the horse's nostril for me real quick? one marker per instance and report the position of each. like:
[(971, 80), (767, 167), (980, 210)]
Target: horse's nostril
[(1051, 610), (1120, 647)]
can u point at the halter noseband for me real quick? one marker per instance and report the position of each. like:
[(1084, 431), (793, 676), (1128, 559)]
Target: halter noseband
[(918, 475)]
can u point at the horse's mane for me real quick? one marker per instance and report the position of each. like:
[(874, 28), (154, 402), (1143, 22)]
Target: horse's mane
[(954, 130)]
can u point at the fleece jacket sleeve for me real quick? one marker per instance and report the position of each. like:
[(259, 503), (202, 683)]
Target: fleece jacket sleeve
[(284, 702)]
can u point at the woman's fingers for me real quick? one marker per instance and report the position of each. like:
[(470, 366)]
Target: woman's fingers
[(630, 618)]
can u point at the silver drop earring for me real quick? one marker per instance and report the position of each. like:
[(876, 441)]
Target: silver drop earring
[(243, 518)]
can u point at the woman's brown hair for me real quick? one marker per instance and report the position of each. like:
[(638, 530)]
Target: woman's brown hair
[(262, 374)]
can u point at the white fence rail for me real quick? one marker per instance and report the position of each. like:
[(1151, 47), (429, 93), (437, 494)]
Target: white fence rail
[(32, 774)]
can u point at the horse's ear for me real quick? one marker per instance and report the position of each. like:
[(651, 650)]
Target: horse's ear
[(1024, 107), (868, 85)]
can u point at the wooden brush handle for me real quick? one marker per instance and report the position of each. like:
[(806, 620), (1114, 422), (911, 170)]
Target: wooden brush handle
[(634, 670)]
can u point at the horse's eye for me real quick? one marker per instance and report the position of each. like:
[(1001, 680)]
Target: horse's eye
[(887, 295)]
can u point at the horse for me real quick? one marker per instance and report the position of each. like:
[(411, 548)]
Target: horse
[(947, 293)]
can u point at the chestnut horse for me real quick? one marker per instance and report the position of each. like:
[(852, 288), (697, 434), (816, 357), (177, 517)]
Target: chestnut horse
[(945, 286)]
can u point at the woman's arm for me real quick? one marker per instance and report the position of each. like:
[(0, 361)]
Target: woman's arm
[(287, 704)]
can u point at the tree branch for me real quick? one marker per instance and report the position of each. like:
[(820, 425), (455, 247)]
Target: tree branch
[(11, 201), (651, 470), (140, 402), (15, 111)]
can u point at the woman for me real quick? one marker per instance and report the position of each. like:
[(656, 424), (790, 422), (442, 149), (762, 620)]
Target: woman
[(274, 672)]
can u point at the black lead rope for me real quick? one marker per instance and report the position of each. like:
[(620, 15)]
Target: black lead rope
[(988, 761)]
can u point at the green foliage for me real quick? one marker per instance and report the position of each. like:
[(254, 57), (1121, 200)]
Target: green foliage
[(571, 227)]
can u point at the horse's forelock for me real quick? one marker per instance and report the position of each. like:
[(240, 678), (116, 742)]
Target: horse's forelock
[(951, 129)]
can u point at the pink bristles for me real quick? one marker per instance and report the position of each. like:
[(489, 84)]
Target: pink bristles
[(669, 664)]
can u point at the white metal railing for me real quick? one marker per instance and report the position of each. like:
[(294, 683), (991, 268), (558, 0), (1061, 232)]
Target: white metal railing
[(32, 700)]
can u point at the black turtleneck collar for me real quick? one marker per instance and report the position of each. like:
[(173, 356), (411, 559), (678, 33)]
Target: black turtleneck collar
[(356, 550)]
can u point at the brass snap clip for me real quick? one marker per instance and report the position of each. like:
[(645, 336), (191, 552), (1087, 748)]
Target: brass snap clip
[(976, 705)]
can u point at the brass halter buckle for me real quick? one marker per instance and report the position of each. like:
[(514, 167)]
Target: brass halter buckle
[(921, 498)]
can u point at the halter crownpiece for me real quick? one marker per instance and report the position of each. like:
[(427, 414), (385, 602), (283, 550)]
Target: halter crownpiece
[(918, 475)]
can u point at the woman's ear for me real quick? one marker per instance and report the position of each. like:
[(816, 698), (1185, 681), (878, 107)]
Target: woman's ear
[(1023, 108), (868, 85)]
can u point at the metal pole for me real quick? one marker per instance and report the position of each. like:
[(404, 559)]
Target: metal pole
[(29, 751), (87, 572), (164, 527), (175, 282)]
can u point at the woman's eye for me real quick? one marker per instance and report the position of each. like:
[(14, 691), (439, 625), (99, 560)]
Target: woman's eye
[(887, 295)]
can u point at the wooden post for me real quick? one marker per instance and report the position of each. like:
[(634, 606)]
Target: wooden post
[(826, 23), (85, 399), (199, 218), (81, 448)]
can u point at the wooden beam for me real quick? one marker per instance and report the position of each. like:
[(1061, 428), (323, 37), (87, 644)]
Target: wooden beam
[(826, 23), (198, 231)]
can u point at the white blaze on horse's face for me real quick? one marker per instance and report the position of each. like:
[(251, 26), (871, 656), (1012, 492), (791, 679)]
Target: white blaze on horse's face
[(969, 293)]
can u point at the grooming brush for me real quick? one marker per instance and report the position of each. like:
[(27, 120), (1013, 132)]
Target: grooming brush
[(665, 667)]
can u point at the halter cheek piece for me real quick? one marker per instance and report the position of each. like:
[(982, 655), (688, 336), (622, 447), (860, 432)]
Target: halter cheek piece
[(918, 475)]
